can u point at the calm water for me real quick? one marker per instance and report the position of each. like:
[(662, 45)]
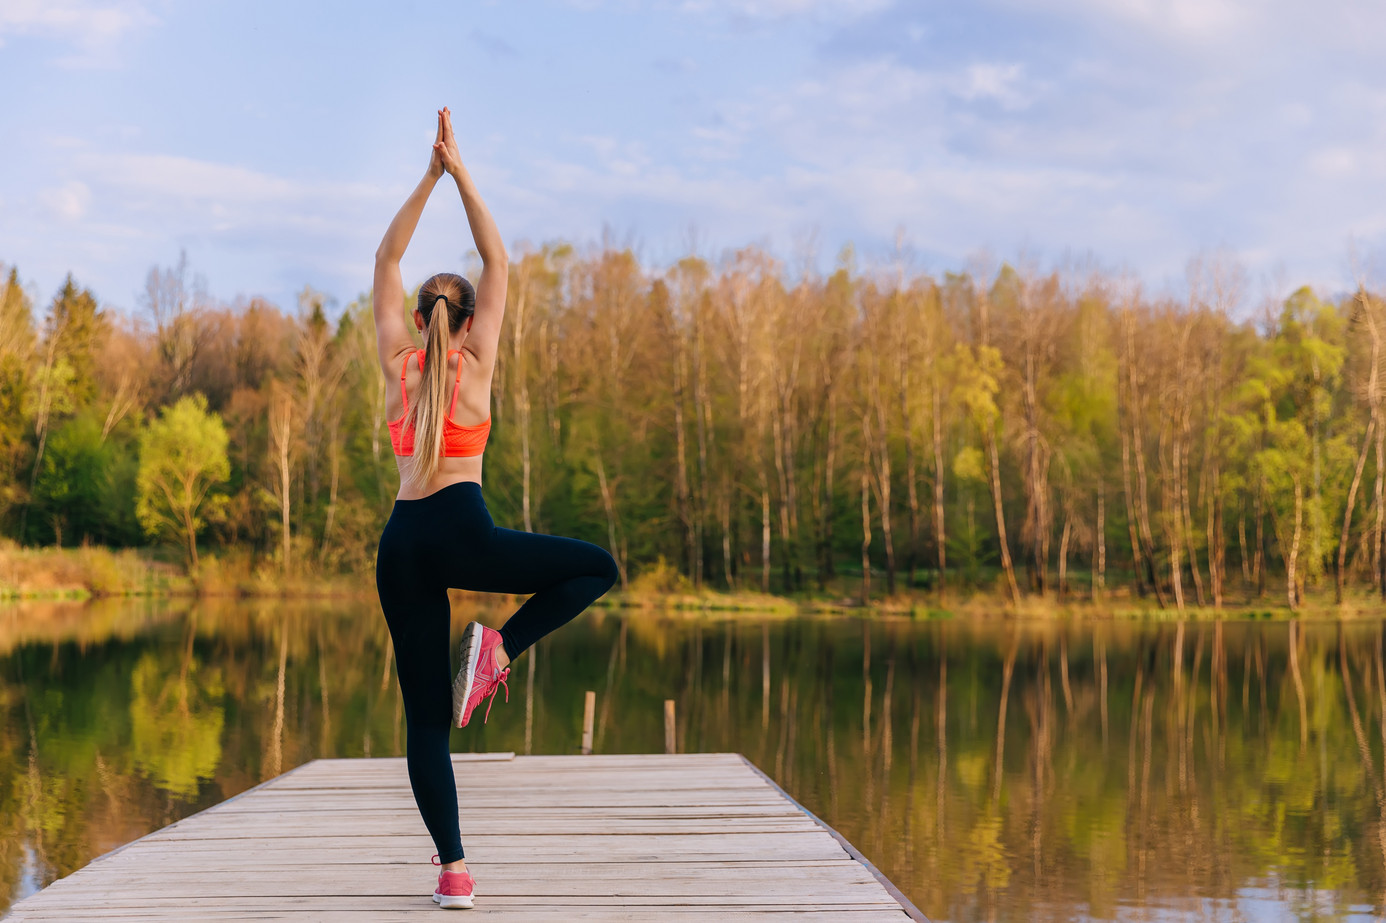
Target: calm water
[(995, 771)]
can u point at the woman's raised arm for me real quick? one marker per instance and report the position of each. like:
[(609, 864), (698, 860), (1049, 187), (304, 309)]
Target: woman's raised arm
[(391, 331), (484, 337)]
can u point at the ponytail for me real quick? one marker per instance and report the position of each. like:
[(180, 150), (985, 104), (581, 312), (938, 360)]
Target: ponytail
[(446, 300), (426, 413)]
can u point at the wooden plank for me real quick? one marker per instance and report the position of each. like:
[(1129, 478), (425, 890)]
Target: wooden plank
[(520, 798), (803, 846), (365, 869), (540, 812), (520, 915), (610, 837), (181, 908), (510, 863), (773, 885), (240, 826), (530, 763)]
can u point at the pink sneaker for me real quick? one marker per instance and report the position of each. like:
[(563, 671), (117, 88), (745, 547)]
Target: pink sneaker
[(455, 890), (479, 676)]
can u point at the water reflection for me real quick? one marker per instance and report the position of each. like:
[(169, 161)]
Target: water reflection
[(992, 771)]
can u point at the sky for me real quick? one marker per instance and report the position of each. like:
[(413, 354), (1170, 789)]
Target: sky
[(273, 142)]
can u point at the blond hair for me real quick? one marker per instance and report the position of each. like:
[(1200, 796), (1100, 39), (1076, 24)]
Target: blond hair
[(427, 412)]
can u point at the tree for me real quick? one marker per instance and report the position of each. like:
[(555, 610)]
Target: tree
[(282, 445), (1082, 404), (16, 348), (976, 384), (72, 493), (1367, 385), (180, 330), (182, 460), (66, 379)]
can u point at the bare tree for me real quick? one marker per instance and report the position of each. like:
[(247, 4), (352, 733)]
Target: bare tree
[(281, 454), (1367, 315), (176, 302)]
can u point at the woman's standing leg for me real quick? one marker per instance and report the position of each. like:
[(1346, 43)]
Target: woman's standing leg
[(416, 608)]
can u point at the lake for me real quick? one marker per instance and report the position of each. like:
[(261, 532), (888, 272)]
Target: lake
[(993, 770)]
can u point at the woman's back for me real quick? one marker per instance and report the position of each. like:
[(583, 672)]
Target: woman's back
[(469, 409)]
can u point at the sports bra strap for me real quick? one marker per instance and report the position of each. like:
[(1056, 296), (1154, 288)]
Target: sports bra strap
[(419, 354), (403, 391), (456, 385)]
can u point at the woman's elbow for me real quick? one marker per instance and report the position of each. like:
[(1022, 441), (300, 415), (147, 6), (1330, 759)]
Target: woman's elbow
[(386, 255)]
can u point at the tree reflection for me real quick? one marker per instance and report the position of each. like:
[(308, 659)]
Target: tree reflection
[(1006, 770), (176, 721)]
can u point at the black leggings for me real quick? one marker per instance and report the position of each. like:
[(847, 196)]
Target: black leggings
[(447, 539)]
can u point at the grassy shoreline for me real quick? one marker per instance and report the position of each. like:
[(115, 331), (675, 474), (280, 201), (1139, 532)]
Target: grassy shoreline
[(93, 572), (77, 574)]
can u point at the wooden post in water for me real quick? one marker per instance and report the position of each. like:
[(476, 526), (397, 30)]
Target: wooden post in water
[(670, 740), (589, 712)]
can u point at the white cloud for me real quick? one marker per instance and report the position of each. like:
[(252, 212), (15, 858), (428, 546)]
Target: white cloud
[(201, 185), (835, 10), (1200, 19), (1145, 130), (717, 143), (273, 225), (1184, 20), (1223, 27), (1334, 163), (999, 82), (70, 200), (837, 111), (111, 211), (979, 154), (93, 28), (753, 10)]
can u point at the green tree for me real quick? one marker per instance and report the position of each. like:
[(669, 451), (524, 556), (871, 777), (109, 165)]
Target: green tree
[(16, 350), (66, 376), (1081, 401), (977, 382), (71, 481), (76, 329), (182, 460), (1308, 347)]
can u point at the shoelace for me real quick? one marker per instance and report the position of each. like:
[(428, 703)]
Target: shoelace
[(499, 681)]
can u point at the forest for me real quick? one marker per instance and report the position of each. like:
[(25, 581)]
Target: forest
[(728, 425)]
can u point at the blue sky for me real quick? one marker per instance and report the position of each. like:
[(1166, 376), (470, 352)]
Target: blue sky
[(274, 141)]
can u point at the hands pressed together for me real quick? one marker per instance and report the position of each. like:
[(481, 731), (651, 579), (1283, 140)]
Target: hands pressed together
[(445, 158), (388, 292)]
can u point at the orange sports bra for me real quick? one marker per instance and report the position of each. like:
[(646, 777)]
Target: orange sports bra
[(458, 441)]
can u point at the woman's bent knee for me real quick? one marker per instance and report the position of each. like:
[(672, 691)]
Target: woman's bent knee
[(609, 571)]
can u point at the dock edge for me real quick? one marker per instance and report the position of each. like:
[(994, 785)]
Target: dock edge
[(913, 912)]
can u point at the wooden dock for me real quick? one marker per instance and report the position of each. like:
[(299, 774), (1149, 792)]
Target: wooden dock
[(637, 837)]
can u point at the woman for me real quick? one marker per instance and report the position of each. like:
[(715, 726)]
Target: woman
[(439, 534)]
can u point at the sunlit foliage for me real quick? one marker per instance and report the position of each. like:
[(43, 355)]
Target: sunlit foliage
[(860, 434)]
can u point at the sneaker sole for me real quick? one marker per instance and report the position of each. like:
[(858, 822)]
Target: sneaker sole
[(462, 686), (452, 901)]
